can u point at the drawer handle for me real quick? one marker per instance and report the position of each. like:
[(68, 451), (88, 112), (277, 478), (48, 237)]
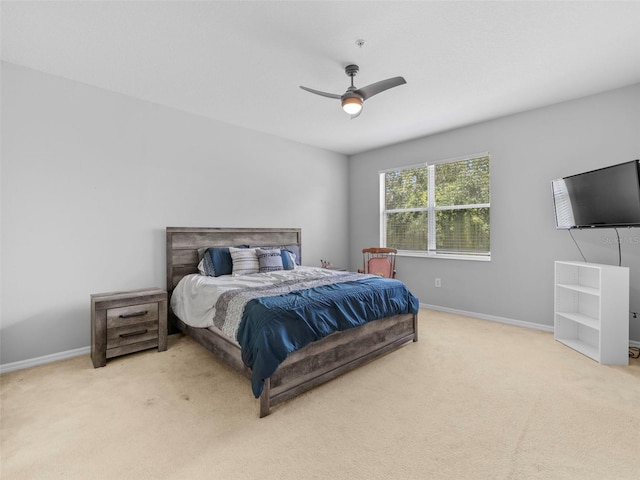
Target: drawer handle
[(133, 334), (136, 314)]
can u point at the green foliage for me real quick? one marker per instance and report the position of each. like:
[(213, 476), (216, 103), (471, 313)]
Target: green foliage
[(406, 188), (407, 230), (464, 230), (460, 184)]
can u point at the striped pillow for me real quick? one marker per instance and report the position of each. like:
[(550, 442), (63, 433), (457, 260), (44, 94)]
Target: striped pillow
[(245, 261), (269, 260), (295, 249)]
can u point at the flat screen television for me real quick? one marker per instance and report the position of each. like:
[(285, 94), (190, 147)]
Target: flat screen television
[(605, 198)]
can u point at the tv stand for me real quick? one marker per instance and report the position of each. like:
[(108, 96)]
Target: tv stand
[(592, 310)]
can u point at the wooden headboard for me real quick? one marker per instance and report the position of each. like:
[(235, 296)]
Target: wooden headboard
[(183, 244)]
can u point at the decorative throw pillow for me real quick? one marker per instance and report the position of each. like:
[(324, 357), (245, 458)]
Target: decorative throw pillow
[(205, 267), (245, 261), (295, 249), (216, 261), (269, 260), (288, 259)]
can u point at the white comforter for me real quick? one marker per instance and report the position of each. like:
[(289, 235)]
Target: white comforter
[(194, 298)]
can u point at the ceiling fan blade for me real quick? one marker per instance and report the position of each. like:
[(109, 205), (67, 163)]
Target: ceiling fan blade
[(324, 94), (375, 88)]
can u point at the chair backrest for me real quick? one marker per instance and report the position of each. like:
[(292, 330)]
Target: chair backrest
[(380, 261)]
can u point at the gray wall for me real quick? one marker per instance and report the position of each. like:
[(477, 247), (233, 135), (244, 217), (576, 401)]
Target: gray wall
[(90, 180), (527, 150)]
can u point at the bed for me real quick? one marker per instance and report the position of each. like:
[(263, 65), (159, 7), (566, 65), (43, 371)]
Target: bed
[(305, 368)]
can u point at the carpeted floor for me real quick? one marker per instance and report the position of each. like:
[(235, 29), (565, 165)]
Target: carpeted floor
[(471, 400)]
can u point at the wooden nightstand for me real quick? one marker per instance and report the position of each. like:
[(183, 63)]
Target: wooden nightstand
[(127, 322)]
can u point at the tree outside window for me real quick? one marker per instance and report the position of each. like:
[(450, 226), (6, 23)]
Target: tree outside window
[(439, 209)]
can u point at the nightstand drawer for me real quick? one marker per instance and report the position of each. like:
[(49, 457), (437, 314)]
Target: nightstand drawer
[(132, 315), (128, 334)]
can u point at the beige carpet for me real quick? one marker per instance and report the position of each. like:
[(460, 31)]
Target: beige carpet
[(471, 400)]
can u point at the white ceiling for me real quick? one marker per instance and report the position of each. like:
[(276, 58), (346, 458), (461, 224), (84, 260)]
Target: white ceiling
[(241, 62)]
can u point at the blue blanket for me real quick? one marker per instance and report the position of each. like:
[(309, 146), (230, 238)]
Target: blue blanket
[(274, 326)]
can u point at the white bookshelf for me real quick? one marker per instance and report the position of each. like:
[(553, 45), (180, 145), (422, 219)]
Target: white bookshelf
[(592, 310)]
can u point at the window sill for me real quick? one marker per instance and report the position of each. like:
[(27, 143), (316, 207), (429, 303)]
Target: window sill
[(445, 256)]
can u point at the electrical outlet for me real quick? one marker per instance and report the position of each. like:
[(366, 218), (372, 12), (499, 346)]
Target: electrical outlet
[(438, 283)]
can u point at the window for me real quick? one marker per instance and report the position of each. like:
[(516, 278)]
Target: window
[(439, 209)]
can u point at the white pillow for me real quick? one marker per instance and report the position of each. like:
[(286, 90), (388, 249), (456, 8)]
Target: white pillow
[(245, 261)]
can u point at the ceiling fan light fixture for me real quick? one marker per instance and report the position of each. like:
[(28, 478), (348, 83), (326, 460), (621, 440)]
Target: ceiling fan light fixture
[(352, 104), (353, 98)]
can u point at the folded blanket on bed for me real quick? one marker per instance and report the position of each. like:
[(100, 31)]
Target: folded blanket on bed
[(271, 322), (230, 305)]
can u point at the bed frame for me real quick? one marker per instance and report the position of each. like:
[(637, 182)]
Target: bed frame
[(306, 368)]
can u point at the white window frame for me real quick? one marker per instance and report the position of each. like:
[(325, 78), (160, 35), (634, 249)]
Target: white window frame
[(431, 209)]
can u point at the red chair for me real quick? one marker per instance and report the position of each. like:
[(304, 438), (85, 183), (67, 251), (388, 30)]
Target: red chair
[(379, 261)]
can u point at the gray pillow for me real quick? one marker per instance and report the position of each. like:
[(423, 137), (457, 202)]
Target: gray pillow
[(269, 260)]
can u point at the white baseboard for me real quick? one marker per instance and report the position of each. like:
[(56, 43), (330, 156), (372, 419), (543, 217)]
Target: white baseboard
[(493, 318), (33, 362), (509, 321)]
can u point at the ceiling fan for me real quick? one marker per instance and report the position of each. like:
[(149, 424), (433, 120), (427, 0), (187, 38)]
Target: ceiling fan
[(353, 98)]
